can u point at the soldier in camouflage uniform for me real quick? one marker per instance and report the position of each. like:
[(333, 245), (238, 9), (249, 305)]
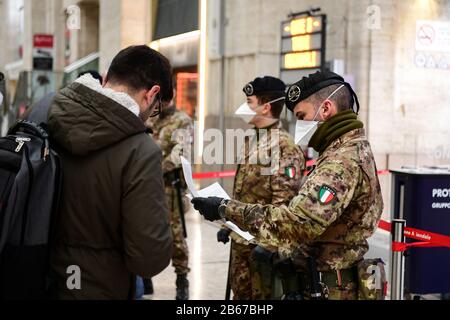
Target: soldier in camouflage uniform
[(269, 172), (172, 131), (339, 206)]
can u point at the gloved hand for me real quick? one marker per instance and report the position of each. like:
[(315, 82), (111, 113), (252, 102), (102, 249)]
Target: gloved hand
[(208, 207), (223, 236)]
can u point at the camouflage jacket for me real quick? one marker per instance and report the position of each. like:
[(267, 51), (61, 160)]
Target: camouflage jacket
[(336, 210), (172, 132), (269, 171)]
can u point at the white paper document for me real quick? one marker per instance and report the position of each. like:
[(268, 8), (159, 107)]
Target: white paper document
[(247, 236), (214, 190), (187, 171)]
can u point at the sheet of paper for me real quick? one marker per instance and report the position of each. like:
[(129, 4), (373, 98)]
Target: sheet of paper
[(187, 171), (214, 190), (247, 236)]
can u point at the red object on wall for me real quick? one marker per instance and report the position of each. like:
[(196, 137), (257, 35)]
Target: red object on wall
[(43, 41)]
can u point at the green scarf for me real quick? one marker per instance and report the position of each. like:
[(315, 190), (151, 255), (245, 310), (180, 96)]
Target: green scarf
[(333, 129)]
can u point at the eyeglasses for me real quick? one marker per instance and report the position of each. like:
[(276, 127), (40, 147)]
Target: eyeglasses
[(157, 111)]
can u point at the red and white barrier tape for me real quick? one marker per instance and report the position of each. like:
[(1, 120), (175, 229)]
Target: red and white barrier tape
[(428, 239), (232, 173)]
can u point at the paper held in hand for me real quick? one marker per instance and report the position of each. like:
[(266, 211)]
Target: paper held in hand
[(214, 190)]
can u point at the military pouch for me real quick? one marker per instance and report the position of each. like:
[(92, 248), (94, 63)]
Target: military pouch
[(262, 255), (292, 284), (372, 281)]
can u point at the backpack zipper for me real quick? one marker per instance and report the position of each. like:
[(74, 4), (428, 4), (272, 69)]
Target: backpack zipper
[(21, 143)]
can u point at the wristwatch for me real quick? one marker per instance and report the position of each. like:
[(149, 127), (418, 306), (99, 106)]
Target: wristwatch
[(223, 208)]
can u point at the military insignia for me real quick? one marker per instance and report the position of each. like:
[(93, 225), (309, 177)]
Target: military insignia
[(326, 195), (290, 172), (294, 93), (249, 90)]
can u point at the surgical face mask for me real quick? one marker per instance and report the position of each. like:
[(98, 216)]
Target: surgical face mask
[(246, 113), (305, 129)]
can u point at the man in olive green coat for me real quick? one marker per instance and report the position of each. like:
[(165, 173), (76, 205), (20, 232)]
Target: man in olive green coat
[(113, 222)]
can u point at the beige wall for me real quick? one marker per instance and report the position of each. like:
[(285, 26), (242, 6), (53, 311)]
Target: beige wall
[(403, 106), (10, 34), (123, 23), (44, 16)]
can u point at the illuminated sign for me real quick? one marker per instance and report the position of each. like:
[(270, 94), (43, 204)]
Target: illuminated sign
[(302, 46)]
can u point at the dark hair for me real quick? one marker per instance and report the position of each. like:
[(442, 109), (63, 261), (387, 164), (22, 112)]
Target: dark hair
[(276, 107), (140, 67), (94, 75), (343, 98)]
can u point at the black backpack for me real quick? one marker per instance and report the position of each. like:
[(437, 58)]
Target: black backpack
[(30, 184)]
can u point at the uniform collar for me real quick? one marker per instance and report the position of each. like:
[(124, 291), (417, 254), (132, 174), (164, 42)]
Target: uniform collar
[(276, 125), (349, 136)]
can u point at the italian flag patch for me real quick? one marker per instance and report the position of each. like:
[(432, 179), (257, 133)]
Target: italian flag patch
[(290, 172), (326, 195)]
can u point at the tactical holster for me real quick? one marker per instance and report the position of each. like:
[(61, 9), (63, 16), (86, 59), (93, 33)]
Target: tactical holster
[(263, 274), (293, 285)]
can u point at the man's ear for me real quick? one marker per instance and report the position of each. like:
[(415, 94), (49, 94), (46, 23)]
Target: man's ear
[(267, 109), (104, 79), (151, 94), (329, 109)]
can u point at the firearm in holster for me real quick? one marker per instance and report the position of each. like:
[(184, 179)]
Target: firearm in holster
[(291, 280), (261, 262), (175, 177)]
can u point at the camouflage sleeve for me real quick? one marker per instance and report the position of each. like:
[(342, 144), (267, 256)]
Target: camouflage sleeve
[(285, 183), (173, 139), (322, 199)]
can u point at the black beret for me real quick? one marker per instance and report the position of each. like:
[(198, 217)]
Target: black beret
[(315, 82), (266, 84)]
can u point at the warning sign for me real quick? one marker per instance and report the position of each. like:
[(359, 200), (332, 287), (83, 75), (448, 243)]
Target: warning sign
[(43, 52), (433, 36)]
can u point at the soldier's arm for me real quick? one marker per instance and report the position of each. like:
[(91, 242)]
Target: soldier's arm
[(285, 183), (321, 200)]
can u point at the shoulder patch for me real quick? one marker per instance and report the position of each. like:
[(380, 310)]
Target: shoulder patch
[(326, 195), (290, 172)]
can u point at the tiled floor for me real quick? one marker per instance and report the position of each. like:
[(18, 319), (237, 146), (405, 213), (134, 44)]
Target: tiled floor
[(208, 261)]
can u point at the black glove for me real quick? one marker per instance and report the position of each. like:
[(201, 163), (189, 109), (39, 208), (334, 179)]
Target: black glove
[(208, 207), (223, 236)]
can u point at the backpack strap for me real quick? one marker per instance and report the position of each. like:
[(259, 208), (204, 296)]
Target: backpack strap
[(29, 127)]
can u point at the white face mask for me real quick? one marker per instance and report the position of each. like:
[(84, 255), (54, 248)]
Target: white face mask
[(305, 129), (247, 114), (1, 99)]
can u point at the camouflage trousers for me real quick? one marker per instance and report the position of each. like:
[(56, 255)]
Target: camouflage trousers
[(241, 281), (180, 255)]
